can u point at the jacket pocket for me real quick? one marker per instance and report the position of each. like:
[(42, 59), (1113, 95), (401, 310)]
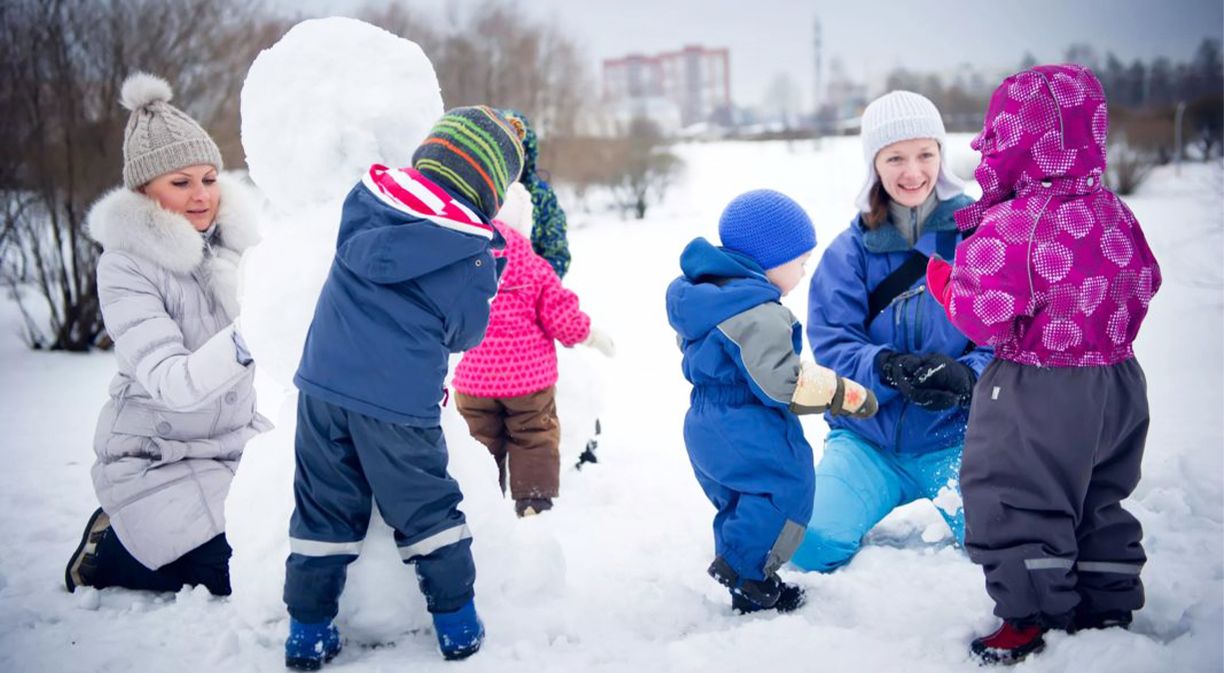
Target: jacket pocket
[(137, 419)]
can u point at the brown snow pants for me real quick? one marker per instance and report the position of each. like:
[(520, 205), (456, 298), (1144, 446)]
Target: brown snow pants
[(523, 435)]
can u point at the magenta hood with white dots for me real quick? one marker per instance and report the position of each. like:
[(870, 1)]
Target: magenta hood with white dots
[(1056, 271)]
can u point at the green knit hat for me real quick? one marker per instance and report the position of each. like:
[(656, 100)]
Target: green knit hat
[(475, 153), (159, 137)]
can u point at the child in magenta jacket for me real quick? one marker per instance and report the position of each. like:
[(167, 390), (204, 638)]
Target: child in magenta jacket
[(1057, 276), (506, 387)]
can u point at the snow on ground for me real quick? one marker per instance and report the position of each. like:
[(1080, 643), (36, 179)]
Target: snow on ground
[(614, 578)]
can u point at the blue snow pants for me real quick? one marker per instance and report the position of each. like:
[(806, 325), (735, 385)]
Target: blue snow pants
[(857, 485), (343, 460), (755, 466)]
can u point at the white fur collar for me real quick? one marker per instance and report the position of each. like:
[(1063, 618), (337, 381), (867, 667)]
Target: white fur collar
[(132, 222)]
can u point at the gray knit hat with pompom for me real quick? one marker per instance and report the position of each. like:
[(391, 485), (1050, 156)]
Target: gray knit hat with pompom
[(159, 138)]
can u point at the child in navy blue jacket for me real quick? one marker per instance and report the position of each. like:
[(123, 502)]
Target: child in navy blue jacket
[(741, 353), (411, 283)]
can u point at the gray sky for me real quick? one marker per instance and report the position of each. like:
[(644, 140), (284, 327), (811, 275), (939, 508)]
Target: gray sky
[(768, 37)]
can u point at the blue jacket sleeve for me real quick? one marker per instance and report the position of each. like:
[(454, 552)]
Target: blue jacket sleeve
[(762, 342), (837, 311), (467, 317), (978, 358)]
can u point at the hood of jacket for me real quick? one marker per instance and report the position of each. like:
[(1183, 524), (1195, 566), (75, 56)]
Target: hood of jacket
[(717, 284), (399, 219), (1047, 124), (128, 221)]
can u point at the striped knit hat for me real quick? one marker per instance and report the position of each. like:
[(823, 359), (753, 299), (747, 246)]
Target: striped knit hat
[(475, 153)]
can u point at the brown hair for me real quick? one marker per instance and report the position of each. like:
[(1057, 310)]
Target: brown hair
[(879, 199)]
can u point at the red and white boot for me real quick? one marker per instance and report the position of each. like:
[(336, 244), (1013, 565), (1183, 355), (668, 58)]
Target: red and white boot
[(1012, 642)]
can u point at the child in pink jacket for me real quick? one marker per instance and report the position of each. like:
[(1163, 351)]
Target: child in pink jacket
[(506, 387), (1055, 273)]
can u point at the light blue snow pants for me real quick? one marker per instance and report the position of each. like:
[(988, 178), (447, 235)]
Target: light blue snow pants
[(857, 485)]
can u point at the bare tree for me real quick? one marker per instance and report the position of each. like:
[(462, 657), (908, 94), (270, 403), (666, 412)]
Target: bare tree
[(643, 167), (1129, 165), (62, 63), (497, 55)]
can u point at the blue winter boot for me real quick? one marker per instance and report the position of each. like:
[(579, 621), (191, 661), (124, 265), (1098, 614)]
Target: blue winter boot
[(460, 633), (311, 645)]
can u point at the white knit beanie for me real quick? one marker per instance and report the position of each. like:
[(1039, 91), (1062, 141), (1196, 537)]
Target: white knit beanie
[(897, 116), (159, 137)]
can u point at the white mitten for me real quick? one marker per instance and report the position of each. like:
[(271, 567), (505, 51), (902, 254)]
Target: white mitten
[(820, 389), (600, 341)]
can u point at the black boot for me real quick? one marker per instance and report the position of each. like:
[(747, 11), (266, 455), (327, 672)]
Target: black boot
[(756, 595), (83, 562), (1105, 619)]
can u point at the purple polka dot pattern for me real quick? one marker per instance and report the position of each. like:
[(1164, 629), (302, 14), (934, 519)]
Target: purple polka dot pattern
[(1116, 247), (1118, 323), (1057, 272), (1063, 301), (1074, 218), (1052, 261), (1016, 226), (1100, 124), (1092, 293), (994, 307), (1061, 335), (1008, 130), (986, 255), (1050, 156)]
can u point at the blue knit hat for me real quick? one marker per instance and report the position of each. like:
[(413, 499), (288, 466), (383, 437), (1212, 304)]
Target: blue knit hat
[(767, 226)]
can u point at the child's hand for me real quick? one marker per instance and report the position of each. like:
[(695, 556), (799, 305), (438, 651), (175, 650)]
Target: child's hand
[(600, 341), (820, 389), (938, 273)]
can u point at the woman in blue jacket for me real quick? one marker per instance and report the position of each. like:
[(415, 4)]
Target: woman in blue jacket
[(870, 319)]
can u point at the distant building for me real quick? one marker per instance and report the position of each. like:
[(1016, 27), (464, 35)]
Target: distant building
[(695, 80), (844, 100)]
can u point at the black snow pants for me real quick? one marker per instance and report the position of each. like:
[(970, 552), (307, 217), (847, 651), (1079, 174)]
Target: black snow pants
[(1049, 455)]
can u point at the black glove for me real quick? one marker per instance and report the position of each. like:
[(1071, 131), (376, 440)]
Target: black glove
[(897, 369), (941, 382), (932, 381)]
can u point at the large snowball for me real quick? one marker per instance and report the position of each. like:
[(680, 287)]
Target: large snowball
[(330, 98)]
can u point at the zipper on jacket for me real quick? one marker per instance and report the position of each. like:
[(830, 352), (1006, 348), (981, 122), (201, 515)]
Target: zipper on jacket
[(203, 276)]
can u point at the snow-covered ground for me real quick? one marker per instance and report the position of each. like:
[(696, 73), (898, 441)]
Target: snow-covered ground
[(614, 578)]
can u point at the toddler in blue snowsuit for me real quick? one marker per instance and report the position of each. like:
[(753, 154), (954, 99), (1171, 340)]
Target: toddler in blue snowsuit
[(411, 283), (741, 353)]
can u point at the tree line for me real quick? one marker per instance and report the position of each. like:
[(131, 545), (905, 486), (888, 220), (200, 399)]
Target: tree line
[(62, 63)]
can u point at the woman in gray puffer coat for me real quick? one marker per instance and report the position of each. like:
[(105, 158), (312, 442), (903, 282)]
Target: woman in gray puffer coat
[(182, 404)]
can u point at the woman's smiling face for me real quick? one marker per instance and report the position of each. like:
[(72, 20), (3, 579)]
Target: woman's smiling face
[(191, 192), (909, 169)]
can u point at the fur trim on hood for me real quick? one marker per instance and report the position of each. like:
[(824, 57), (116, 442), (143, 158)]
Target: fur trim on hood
[(129, 221)]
